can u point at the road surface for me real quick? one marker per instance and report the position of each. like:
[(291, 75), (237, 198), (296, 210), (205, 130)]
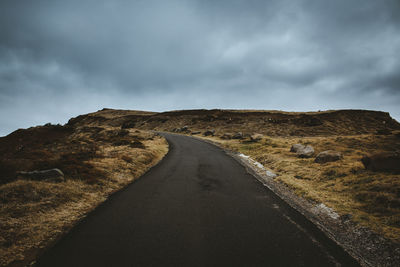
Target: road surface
[(198, 207)]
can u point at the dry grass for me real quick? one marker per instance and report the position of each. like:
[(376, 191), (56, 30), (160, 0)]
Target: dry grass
[(371, 198), (271, 123), (96, 163)]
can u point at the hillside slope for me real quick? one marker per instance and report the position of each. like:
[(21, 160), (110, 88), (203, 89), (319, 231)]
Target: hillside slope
[(96, 161), (272, 123)]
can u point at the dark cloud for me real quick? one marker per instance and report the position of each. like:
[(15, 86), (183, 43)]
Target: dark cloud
[(62, 58)]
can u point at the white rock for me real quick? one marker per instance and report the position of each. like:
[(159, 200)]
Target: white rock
[(271, 174)]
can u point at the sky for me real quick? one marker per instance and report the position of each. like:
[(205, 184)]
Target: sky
[(60, 59)]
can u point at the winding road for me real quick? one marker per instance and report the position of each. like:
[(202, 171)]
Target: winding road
[(197, 207)]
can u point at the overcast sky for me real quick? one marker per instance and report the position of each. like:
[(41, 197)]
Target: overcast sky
[(59, 59)]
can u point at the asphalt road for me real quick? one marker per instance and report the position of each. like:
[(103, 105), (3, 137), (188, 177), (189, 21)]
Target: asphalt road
[(198, 207)]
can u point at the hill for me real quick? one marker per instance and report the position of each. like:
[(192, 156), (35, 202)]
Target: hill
[(271, 123), (95, 162)]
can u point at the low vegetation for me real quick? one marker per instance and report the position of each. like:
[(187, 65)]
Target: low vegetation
[(96, 162)]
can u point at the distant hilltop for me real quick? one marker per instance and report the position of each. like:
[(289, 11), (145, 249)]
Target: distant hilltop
[(273, 123)]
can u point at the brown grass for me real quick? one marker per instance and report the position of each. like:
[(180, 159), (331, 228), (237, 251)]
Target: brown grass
[(96, 161), (371, 198)]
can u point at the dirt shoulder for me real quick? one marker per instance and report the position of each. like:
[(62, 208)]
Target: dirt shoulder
[(96, 161), (329, 194)]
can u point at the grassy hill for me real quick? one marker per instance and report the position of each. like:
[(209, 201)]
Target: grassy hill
[(96, 161), (271, 123)]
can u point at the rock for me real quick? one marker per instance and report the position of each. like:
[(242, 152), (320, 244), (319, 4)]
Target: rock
[(302, 151), (238, 135), (387, 161), (271, 174), (305, 152), (328, 156), (195, 132), (296, 147), (256, 137), (54, 175), (227, 136), (209, 132), (184, 129)]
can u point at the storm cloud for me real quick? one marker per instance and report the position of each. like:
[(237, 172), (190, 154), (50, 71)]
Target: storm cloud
[(59, 59)]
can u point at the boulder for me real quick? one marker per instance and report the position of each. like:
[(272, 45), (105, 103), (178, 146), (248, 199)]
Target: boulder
[(184, 129), (296, 147), (256, 137), (328, 156), (271, 174), (387, 161), (227, 136), (209, 132), (54, 175), (306, 152), (302, 151), (238, 135)]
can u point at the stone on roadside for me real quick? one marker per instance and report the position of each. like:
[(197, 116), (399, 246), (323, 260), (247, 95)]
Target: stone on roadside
[(302, 151), (328, 156), (238, 135), (296, 147), (306, 152), (271, 174), (184, 129), (209, 132)]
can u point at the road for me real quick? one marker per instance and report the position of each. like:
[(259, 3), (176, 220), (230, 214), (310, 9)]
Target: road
[(197, 207)]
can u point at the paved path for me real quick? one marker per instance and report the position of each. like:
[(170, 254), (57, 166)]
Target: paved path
[(198, 207)]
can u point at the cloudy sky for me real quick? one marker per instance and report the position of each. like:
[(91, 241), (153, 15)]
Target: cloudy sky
[(59, 59)]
